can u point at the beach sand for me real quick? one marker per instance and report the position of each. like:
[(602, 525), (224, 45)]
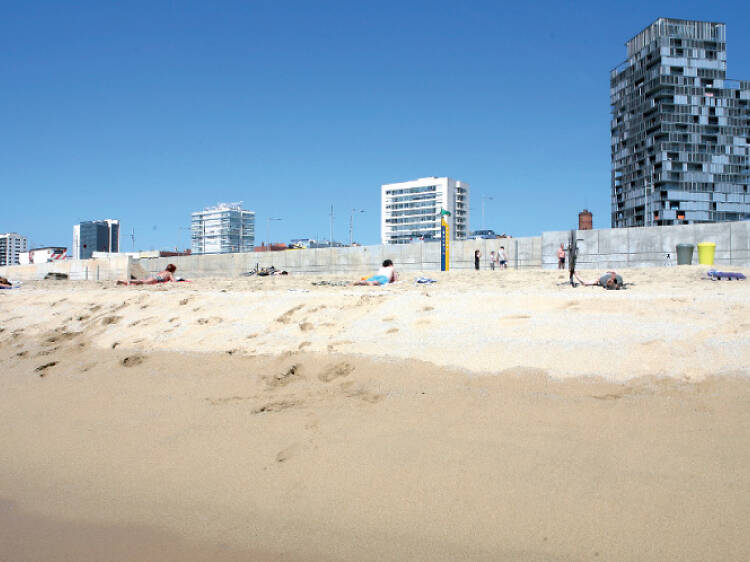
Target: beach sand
[(490, 416)]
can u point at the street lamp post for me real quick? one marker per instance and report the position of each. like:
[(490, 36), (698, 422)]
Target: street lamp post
[(483, 199), (351, 224), (268, 231)]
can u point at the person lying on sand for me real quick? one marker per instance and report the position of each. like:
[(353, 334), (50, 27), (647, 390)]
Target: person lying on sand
[(610, 280), (5, 284), (386, 274), (162, 277)]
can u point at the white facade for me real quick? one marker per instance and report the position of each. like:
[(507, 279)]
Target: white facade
[(11, 246), (44, 255), (411, 209), (223, 229), (76, 241)]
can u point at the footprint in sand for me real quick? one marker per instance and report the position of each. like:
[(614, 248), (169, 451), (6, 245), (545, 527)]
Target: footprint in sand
[(42, 369), (389, 319), (306, 326), (183, 302), (94, 308), (61, 337), (336, 371), (275, 407), (392, 331), (132, 360), (286, 454), (285, 377), (211, 321), (22, 354), (359, 392), (107, 320), (287, 316), (428, 308), (304, 344)]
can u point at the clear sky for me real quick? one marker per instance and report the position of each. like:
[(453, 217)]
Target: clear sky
[(148, 111)]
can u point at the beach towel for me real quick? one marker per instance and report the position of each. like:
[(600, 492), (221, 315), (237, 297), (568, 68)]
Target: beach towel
[(330, 283), (729, 275)]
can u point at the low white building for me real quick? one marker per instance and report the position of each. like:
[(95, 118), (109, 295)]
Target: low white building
[(44, 255), (411, 209), (12, 245)]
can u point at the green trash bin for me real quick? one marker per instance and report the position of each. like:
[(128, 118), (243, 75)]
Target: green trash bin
[(684, 254)]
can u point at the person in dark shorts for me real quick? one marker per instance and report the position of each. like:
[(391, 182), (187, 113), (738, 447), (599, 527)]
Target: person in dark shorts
[(502, 258), (477, 255), (561, 257), (610, 280)]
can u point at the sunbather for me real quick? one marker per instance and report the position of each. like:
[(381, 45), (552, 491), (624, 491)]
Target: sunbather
[(386, 274), (161, 277), (610, 280), (5, 284)]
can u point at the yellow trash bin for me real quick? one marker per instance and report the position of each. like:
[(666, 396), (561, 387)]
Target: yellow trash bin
[(706, 251)]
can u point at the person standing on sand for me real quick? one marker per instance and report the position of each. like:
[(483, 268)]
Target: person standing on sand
[(477, 255), (161, 277), (502, 259), (492, 260), (561, 257)]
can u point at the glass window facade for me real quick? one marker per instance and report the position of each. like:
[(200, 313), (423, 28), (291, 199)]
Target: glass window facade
[(680, 131)]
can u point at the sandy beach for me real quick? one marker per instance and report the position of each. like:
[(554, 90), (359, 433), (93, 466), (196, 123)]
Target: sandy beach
[(489, 416)]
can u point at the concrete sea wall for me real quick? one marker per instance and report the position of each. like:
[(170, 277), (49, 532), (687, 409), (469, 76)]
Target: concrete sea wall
[(110, 268), (355, 261), (649, 246), (597, 249)]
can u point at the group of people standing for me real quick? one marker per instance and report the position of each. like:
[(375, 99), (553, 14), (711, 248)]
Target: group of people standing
[(500, 259)]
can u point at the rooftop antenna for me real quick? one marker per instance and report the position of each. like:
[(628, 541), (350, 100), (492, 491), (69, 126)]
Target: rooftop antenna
[(331, 240)]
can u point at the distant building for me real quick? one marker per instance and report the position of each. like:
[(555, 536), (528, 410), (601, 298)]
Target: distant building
[(44, 255), (95, 236), (12, 245), (585, 220), (680, 131), (223, 229), (411, 209)]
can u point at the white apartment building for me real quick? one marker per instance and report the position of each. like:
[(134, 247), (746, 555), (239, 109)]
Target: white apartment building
[(12, 245), (411, 209), (223, 229)]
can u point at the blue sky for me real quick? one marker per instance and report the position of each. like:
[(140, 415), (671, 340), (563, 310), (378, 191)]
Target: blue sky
[(149, 111)]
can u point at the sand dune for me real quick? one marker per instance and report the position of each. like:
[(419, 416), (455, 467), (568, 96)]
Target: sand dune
[(493, 415)]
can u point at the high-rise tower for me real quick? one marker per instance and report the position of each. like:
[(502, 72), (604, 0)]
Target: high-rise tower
[(680, 129)]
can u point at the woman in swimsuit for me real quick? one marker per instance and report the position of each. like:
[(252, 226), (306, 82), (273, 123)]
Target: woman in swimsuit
[(386, 274), (162, 277)]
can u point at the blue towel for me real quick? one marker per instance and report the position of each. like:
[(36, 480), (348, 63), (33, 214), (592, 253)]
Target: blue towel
[(713, 274), (426, 280)]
